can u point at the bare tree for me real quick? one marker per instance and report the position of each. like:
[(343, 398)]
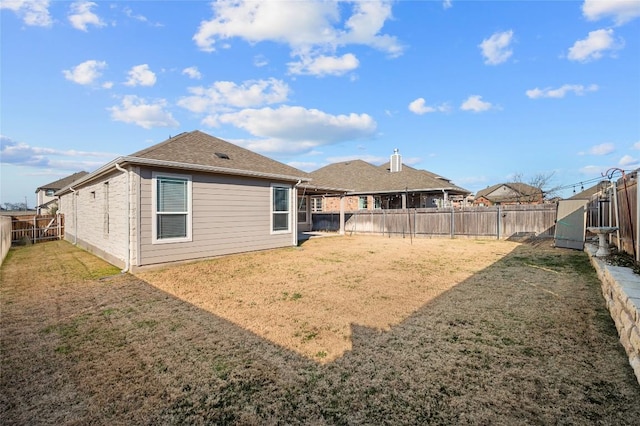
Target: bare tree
[(542, 182)]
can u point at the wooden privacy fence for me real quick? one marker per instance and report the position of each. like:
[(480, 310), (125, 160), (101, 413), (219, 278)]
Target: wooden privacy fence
[(501, 222), (36, 228), (616, 204)]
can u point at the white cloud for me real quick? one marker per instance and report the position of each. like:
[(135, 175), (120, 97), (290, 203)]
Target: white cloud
[(627, 161), (141, 75), (310, 29), (476, 104), (560, 92), (602, 149), (636, 145), (32, 12), (192, 72), (260, 61), (447, 4), (373, 159), (307, 166), (593, 46), (20, 153), (420, 107), (85, 73), (622, 11), (592, 170), (129, 12), (137, 111), (298, 129), (324, 65), (223, 95), (495, 49), (80, 15), (364, 25)]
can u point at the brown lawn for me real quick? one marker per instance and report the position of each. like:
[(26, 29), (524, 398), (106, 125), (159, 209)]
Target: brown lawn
[(343, 330), (307, 299)]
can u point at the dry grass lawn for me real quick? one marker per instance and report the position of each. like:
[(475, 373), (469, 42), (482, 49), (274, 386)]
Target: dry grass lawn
[(344, 330), (307, 299)]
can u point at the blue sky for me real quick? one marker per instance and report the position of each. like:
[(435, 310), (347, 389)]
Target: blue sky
[(474, 91)]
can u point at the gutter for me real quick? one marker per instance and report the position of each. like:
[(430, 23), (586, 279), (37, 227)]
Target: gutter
[(182, 166), (127, 263)]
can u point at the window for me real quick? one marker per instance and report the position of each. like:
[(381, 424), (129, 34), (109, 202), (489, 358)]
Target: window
[(302, 209), (316, 204), (377, 202), (363, 203), (49, 192), (172, 208), (280, 208)]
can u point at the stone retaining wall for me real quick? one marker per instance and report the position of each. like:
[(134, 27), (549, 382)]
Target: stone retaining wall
[(621, 291)]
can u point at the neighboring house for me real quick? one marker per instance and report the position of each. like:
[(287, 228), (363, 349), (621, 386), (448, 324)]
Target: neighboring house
[(589, 193), (191, 196), (46, 201), (509, 193), (392, 185)]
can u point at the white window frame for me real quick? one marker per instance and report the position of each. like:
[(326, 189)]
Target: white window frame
[(290, 212), (305, 201), (316, 204), (154, 208), (363, 202)]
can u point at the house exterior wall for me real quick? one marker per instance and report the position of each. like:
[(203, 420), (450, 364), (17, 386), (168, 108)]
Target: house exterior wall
[(351, 203), (41, 199), (230, 214), (96, 219)]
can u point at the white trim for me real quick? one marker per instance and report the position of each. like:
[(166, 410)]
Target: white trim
[(154, 208), (291, 211)]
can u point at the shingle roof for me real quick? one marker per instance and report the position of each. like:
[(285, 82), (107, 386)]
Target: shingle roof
[(202, 149), (201, 152), (363, 177), (523, 189), (587, 193), (61, 183)]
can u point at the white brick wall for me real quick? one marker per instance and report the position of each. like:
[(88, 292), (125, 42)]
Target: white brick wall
[(95, 201)]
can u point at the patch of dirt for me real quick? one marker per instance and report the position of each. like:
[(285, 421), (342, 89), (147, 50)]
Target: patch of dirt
[(520, 335)]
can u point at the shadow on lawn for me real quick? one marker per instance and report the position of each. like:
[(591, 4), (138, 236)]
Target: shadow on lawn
[(526, 340)]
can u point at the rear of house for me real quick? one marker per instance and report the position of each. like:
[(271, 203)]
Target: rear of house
[(192, 196)]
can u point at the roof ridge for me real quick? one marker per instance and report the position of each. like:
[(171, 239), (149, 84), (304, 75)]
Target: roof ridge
[(160, 144)]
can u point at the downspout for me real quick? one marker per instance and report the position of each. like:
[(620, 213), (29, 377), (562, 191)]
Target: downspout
[(75, 216), (127, 263), (295, 213)]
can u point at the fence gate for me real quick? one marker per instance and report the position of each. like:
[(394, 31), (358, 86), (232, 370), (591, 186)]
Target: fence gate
[(36, 228), (570, 224)]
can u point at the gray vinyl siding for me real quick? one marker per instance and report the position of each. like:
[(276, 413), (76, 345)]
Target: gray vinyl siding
[(229, 215)]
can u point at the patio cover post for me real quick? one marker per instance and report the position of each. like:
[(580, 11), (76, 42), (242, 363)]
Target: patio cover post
[(342, 215)]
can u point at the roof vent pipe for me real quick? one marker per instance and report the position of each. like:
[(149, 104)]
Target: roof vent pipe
[(396, 161)]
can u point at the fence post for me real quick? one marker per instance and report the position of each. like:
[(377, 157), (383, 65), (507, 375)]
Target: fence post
[(453, 223), (35, 224), (499, 222)]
